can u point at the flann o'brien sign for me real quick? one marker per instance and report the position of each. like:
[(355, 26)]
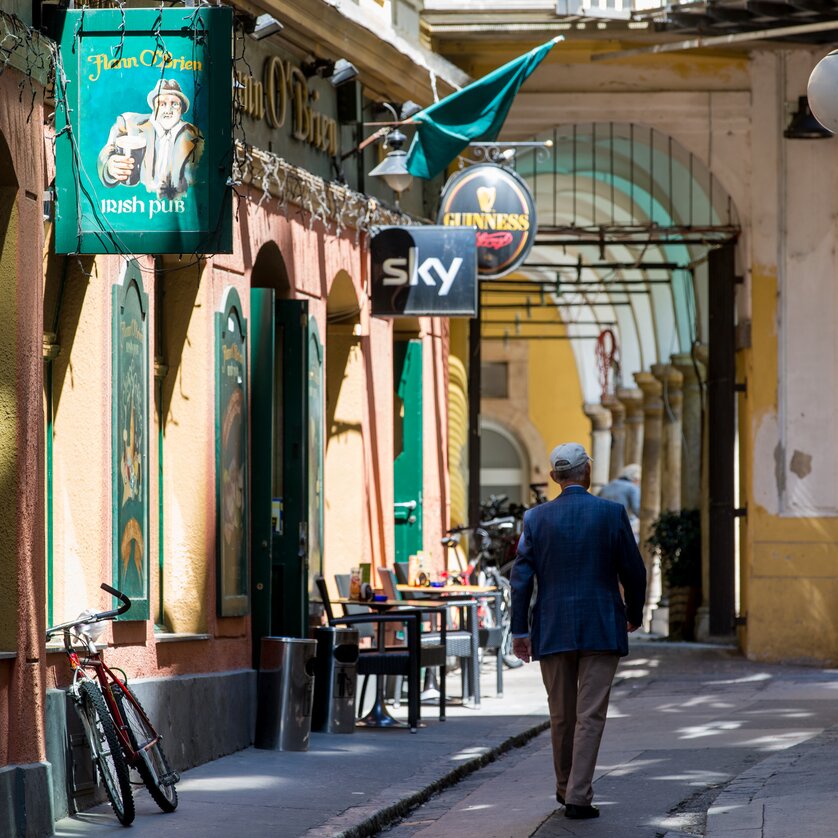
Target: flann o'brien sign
[(418, 271), (497, 202), (143, 131)]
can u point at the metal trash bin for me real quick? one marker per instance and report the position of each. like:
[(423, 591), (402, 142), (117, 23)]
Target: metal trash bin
[(285, 692), (335, 681)]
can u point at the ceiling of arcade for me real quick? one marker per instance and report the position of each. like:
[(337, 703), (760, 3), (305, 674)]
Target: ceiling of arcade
[(649, 169)]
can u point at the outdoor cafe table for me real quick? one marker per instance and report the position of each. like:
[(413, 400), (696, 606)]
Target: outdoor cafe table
[(379, 715), (442, 592)]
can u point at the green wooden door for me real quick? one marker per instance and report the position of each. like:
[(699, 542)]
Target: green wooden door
[(263, 398), (407, 494), (297, 554)]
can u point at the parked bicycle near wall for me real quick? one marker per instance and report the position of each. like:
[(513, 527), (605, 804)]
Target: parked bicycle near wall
[(482, 569), (118, 730)]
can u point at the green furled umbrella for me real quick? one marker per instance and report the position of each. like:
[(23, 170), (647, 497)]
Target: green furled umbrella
[(477, 112)]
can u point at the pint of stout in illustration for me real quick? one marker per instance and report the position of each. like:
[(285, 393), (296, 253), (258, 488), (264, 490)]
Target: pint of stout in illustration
[(132, 145)]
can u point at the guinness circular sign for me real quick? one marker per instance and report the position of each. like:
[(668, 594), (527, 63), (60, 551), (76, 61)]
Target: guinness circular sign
[(498, 203)]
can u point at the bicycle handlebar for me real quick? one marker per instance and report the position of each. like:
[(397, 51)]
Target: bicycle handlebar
[(95, 618)]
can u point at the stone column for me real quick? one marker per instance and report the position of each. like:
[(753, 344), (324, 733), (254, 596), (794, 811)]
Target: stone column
[(618, 435), (632, 401), (671, 381), (650, 484), (600, 443), (691, 425), (702, 620)]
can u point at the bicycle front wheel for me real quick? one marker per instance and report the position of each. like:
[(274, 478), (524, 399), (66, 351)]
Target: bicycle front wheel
[(151, 762), (106, 751)]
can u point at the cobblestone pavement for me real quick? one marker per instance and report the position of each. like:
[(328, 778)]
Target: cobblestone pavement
[(699, 742)]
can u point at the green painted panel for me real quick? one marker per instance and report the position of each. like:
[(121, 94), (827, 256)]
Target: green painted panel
[(262, 397), (130, 440), (315, 461), (408, 472), (231, 456), (143, 130), (290, 544)]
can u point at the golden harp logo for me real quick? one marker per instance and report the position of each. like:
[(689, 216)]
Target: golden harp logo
[(497, 202), (486, 197)]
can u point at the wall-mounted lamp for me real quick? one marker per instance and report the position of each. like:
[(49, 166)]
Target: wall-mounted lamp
[(823, 98), (337, 72), (409, 109), (393, 168), (804, 125), (265, 25)]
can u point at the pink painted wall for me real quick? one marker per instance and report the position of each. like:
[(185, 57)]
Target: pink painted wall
[(21, 435)]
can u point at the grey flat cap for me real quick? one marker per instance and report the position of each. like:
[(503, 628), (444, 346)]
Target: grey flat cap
[(567, 456)]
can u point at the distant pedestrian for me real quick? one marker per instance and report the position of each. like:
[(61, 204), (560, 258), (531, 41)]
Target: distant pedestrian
[(579, 549), (626, 490)]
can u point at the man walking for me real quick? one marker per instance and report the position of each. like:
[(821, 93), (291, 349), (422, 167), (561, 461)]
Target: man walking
[(579, 549), (626, 490)]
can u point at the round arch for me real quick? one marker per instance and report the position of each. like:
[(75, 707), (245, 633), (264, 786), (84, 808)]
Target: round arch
[(504, 462), (643, 211), (269, 271)]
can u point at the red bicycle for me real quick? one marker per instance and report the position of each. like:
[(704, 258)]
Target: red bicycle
[(118, 730)]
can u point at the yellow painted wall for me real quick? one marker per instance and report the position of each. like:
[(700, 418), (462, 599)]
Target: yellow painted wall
[(789, 572), (346, 514), (553, 402), (188, 447)]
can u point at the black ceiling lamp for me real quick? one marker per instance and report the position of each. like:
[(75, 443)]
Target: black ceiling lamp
[(804, 125)]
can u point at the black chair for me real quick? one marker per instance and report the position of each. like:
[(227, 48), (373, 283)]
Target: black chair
[(384, 660), (401, 572)]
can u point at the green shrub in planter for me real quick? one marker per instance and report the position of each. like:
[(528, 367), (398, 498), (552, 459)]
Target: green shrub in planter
[(676, 536)]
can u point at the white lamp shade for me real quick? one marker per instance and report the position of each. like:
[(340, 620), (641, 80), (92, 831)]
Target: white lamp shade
[(393, 171), (823, 91)]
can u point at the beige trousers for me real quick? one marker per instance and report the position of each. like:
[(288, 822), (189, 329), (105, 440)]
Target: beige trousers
[(578, 686)]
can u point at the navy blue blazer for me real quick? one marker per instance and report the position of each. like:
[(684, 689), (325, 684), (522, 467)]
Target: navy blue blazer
[(577, 548)]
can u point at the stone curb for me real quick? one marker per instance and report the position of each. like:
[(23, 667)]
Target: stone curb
[(386, 815)]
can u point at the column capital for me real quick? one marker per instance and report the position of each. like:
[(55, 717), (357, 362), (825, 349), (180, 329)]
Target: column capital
[(616, 408), (683, 362), (632, 400), (673, 383), (652, 390), (600, 416)]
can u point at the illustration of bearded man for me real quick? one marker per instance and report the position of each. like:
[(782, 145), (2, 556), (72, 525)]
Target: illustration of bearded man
[(158, 149)]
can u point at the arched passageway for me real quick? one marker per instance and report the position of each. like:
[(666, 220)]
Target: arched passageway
[(637, 236)]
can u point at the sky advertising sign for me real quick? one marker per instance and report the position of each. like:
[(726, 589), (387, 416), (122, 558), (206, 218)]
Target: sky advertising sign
[(143, 130), (424, 270)]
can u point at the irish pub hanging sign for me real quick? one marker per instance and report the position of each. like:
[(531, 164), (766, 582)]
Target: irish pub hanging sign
[(143, 131)]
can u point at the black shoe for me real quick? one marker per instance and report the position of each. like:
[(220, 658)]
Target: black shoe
[(580, 812), (559, 799)]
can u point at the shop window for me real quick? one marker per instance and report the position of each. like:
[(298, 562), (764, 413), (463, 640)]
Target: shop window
[(494, 380)]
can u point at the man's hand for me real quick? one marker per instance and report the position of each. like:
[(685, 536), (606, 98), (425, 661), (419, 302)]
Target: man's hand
[(522, 648), (632, 627), (120, 166)]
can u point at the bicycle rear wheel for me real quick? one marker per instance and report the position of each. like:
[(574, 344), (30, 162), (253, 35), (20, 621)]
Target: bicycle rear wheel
[(106, 751), (151, 764)]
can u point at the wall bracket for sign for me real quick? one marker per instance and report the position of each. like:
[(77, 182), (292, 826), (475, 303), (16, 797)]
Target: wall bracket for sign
[(497, 152), (144, 130)]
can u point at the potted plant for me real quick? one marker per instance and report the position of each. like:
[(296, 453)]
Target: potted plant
[(676, 537)]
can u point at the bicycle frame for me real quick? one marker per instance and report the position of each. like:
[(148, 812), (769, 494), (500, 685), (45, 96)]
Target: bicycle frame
[(107, 679)]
